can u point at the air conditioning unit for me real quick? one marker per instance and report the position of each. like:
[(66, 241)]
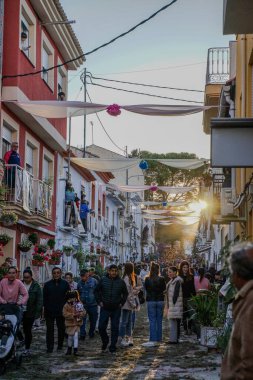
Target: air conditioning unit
[(227, 201)]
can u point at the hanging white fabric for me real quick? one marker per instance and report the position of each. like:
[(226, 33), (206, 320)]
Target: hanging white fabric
[(183, 163), (106, 165), (167, 189), (62, 109)]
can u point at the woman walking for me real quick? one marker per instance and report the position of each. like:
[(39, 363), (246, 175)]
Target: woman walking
[(33, 308), (188, 291), (174, 297), (125, 330), (155, 286)]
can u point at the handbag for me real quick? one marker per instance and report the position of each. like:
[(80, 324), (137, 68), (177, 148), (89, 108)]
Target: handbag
[(141, 297)]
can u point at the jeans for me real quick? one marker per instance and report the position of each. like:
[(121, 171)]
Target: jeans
[(114, 315), (92, 312), (50, 331), (155, 316), (133, 319), (125, 323), (27, 328)]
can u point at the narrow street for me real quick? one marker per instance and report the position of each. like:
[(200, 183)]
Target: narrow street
[(187, 360)]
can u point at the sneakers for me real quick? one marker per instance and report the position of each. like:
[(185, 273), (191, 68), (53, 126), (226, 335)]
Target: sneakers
[(130, 341), (124, 343), (149, 344)]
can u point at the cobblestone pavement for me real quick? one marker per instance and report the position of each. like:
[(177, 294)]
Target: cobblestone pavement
[(187, 360)]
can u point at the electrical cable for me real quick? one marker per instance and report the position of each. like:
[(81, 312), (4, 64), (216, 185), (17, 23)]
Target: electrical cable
[(96, 49), (144, 93), (122, 150), (145, 85)]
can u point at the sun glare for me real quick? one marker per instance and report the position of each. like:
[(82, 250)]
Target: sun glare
[(198, 206)]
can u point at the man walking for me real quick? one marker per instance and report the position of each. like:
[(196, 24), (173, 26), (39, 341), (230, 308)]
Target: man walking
[(111, 294), (86, 288), (54, 293), (238, 359)]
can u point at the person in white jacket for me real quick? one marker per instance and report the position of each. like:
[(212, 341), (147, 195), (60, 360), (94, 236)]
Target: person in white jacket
[(174, 298)]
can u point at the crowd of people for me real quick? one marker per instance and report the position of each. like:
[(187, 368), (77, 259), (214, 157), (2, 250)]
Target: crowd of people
[(115, 299)]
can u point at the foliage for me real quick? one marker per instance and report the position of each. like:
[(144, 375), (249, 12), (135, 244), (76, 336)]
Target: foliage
[(9, 217), (40, 257), (67, 248), (25, 244), (223, 338), (51, 243), (55, 257), (4, 239), (167, 176), (33, 237), (80, 256), (42, 248), (99, 269), (204, 307)]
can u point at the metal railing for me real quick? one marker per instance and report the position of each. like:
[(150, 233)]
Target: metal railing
[(217, 70), (32, 194)]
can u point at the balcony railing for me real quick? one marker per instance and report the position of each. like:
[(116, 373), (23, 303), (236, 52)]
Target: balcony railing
[(217, 71), (30, 194)]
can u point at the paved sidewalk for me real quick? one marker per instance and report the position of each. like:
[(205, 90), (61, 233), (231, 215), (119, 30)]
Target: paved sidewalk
[(187, 360)]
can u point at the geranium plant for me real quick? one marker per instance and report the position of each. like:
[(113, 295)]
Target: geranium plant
[(55, 257), (39, 258)]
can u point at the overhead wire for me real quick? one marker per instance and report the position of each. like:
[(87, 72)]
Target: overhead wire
[(95, 49), (144, 93), (100, 121), (145, 85)]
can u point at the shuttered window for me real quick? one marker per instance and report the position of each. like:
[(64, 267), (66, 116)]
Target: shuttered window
[(29, 158), (6, 139), (46, 168)]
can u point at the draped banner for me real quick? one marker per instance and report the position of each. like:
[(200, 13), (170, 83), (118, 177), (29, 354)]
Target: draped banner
[(167, 189), (106, 165), (62, 109), (183, 163)]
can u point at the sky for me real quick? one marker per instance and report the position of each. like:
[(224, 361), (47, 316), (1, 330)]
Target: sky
[(169, 50)]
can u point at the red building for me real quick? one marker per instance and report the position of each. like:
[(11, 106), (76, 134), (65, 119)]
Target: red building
[(33, 39)]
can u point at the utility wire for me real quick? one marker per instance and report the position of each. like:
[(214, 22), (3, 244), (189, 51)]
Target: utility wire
[(122, 150), (144, 93), (96, 49), (145, 85)]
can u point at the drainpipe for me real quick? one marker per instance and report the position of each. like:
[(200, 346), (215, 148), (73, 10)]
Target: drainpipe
[(243, 94)]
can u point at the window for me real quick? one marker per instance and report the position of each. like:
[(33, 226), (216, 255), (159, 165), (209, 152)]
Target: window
[(6, 139), (48, 167), (61, 82), (27, 32), (47, 60), (9, 132), (29, 159)]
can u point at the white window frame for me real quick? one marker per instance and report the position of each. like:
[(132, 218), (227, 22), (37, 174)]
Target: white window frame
[(64, 74), (46, 44), (30, 140), (29, 19), (10, 124), (50, 158)]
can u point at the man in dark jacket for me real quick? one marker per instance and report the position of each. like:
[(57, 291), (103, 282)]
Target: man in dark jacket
[(111, 294), (54, 293), (86, 288)]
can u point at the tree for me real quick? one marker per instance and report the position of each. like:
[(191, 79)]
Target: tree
[(167, 176)]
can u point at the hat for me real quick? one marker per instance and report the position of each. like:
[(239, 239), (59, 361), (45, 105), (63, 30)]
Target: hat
[(83, 272)]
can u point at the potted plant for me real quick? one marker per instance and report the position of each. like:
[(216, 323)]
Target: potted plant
[(80, 256), (33, 237), (4, 239), (55, 258), (207, 318), (51, 243), (67, 249), (42, 248), (39, 258), (8, 218), (25, 245)]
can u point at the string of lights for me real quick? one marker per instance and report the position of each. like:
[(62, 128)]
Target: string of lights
[(93, 50)]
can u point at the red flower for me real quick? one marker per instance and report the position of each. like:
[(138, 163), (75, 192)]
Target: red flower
[(113, 110)]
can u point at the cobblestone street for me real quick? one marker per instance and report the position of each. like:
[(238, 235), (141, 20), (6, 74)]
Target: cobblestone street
[(187, 360)]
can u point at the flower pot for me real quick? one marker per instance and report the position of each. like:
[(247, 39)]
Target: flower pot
[(37, 263), (24, 249), (7, 223), (209, 335), (68, 253), (54, 262)]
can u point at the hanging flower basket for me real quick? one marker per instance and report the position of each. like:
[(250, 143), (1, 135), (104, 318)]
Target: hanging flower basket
[(25, 245), (8, 218), (4, 239), (67, 249), (33, 237), (51, 243), (37, 263), (55, 258)]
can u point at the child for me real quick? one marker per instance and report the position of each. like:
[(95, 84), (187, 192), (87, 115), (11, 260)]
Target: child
[(5, 329), (73, 319), (174, 299)]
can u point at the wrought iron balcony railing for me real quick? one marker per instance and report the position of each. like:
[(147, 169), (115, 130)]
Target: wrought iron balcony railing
[(30, 194), (217, 71)]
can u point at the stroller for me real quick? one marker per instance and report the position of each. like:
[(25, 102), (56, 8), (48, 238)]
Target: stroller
[(8, 351)]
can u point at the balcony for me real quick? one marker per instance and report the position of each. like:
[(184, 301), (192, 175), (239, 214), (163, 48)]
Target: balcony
[(29, 197), (217, 74)]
